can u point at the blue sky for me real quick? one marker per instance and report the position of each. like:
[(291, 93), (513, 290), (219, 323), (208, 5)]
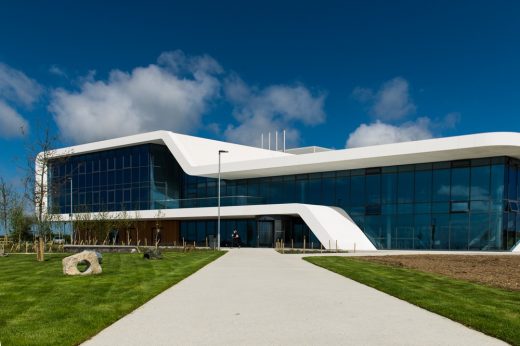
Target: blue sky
[(333, 73)]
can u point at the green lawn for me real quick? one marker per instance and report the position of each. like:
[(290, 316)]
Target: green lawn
[(41, 306), (493, 311)]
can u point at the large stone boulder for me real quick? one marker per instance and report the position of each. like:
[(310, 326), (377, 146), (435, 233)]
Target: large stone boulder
[(70, 264)]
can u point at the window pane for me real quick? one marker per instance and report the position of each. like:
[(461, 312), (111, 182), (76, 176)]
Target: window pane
[(405, 187), (511, 184), (357, 190), (459, 184), (389, 188), (373, 188), (423, 186), (497, 182), (441, 185), (480, 179), (480, 233), (459, 227)]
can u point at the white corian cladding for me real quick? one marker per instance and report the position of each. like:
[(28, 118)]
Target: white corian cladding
[(199, 156)]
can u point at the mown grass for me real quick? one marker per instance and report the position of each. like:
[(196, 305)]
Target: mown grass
[(493, 311), (41, 306)]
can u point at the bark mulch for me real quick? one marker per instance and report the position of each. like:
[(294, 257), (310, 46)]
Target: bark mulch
[(502, 271)]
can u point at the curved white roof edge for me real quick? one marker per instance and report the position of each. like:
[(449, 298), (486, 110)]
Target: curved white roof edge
[(199, 156), (328, 224)]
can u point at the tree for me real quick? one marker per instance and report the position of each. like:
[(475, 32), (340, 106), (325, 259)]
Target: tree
[(6, 195), (20, 223), (41, 153)]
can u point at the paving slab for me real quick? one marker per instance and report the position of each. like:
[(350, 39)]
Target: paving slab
[(260, 297)]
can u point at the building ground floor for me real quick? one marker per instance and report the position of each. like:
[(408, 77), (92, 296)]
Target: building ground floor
[(267, 230)]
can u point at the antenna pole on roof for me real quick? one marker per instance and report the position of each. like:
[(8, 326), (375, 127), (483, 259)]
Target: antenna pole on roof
[(269, 140), (284, 141), (262, 140), (276, 140)]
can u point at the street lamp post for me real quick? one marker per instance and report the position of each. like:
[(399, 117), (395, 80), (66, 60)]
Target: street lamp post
[(218, 199), (70, 215)]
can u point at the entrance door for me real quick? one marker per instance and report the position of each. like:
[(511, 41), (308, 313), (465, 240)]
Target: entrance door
[(265, 233)]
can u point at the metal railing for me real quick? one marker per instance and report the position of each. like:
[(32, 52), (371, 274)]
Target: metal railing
[(206, 202)]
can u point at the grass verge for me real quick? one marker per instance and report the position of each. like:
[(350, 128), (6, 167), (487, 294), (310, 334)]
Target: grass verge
[(493, 311), (41, 306)]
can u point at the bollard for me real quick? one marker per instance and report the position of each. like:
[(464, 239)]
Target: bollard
[(304, 244), (321, 248), (336, 245), (329, 245), (206, 241), (194, 245)]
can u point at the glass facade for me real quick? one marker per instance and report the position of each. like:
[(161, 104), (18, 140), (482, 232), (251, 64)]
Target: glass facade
[(460, 205)]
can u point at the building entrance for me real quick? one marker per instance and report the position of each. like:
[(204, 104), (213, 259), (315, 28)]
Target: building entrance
[(265, 233)]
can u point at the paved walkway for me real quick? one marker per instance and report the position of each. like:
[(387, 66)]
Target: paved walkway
[(259, 297)]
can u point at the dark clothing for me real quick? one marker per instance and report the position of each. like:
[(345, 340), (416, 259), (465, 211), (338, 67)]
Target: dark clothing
[(236, 238)]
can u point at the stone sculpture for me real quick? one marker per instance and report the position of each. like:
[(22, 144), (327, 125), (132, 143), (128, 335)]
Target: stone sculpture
[(70, 264)]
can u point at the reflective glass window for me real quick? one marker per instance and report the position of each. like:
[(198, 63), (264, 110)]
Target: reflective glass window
[(441, 185), (357, 190), (389, 188), (373, 189), (422, 232), (423, 186), (497, 182), (459, 227), (511, 183), (405, 186), (480, 180), (460, 184)]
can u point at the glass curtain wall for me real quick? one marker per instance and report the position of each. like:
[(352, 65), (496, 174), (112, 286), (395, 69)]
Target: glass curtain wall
[(462, 205)]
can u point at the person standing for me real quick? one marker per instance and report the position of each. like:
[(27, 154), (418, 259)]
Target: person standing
[(236, 238)]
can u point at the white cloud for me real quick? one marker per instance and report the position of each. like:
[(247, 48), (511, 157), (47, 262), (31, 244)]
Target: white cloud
[(172, 95), (12, 124), (382, 133), (273, 108), (16, 87), (57, 71), (391, 102)]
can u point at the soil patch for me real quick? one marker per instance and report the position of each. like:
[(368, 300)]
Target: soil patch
[(501, 271)]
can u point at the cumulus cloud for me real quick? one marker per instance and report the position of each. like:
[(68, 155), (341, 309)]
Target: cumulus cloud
[(12, 124), (391, 102), (382, 133), (171, 94), (276, 107), (16, 90)]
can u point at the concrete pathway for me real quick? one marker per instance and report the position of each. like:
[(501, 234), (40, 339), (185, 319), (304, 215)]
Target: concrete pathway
[(259, 297)]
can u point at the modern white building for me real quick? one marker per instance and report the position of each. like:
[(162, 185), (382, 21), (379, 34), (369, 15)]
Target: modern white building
[(459, 193)]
